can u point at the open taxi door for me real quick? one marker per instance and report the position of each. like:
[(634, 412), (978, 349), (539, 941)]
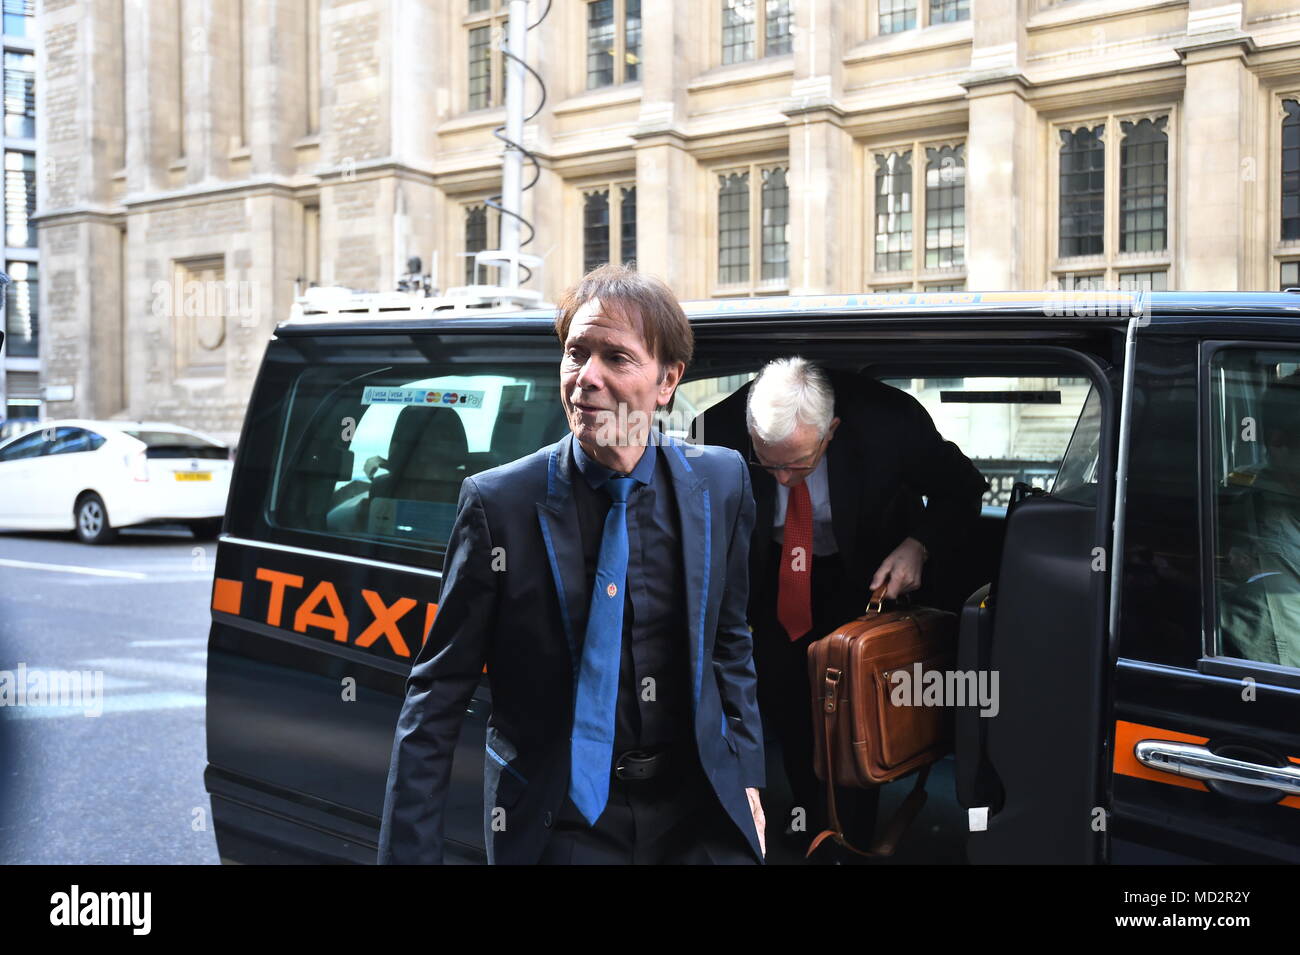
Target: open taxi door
[(1032, 775)]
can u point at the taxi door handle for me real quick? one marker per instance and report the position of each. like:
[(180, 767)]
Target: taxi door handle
[(1197, 762)]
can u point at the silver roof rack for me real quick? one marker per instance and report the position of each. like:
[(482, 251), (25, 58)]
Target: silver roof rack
[(338, 302)]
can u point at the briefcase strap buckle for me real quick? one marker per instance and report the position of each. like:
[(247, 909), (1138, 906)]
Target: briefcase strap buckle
[(832, 688)]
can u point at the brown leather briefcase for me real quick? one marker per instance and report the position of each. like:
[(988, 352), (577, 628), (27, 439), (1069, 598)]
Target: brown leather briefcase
[(862, 737)]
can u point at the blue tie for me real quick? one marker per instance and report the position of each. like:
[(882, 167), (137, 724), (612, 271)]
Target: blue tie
[(592, 742)]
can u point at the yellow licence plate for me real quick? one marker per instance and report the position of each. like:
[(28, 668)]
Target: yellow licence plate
[(194, 475)]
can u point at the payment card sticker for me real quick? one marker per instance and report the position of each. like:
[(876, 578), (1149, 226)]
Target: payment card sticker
[(374, 395)]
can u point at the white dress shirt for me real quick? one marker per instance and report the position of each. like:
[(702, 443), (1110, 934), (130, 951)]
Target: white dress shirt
[(819, 491)]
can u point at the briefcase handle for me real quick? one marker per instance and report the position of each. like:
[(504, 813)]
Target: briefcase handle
[(878, 599)]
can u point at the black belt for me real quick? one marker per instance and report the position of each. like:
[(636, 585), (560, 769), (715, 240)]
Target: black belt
[(637, 765)]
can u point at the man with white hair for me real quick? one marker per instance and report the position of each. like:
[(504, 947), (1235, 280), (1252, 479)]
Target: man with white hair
[(839, 463)]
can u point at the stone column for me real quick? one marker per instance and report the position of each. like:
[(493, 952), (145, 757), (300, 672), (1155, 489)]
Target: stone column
[(275, 120), (670, 227), (1004, 227), (1003, 223), (215, 87), (79, 126), (153, 98), (356, 226), (1224, 171), (276, 103), (822, 240)]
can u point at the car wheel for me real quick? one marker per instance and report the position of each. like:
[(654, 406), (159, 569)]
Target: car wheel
[(206, 530), (92, 521)]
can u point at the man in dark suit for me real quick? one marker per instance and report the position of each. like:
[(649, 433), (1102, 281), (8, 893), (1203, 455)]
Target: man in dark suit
[(839, 464), (602, 580)]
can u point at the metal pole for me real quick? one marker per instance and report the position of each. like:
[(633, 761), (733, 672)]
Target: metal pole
[(512, 167)]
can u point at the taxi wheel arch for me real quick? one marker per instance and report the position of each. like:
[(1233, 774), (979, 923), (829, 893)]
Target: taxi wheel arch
[(90, 519)]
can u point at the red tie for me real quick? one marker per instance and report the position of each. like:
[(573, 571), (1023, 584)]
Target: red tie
[(794, 599)]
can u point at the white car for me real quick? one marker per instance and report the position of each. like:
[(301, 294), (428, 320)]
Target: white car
[(97, 476)]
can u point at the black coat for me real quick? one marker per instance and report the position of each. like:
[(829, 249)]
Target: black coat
[(885, 454)]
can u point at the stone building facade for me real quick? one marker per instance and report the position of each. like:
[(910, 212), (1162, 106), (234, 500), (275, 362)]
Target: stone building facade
[(20, 388), (733, 147)]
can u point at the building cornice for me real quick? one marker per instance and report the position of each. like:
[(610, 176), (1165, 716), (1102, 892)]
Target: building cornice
[(802, 112), (589, 100), (99, 215), (765, 138), (296, 187), (1274, 64), (1215, 33), (993, 82), (1094, 12), (739, 74), (646, 136), (472, 119), (910, 42), (875, 127), (214, 192), (1075, 94), (814, 95), (600, 167), (374, 169), (1219, 45)]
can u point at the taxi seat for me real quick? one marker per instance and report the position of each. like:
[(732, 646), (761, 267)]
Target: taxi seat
[(347, 508), (428, 457)]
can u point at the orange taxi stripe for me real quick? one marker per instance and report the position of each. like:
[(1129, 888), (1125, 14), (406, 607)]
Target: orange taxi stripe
[(227, 595), (1128, 735)]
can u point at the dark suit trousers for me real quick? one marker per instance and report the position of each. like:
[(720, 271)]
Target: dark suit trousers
[(785, 700), (670, 820)]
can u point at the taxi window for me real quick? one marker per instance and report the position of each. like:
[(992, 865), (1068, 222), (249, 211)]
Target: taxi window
[(695, 397), (372, 438), (1077, 479), (1012, 429), (413, 444), (1255, 475)]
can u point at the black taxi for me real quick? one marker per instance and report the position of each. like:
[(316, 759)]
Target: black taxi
[(1133, 590)]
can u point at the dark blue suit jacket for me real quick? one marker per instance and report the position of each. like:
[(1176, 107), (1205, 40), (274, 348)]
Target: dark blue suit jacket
[(515, 596)]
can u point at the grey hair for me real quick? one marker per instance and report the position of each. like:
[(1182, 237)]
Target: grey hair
[(789, 392)]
